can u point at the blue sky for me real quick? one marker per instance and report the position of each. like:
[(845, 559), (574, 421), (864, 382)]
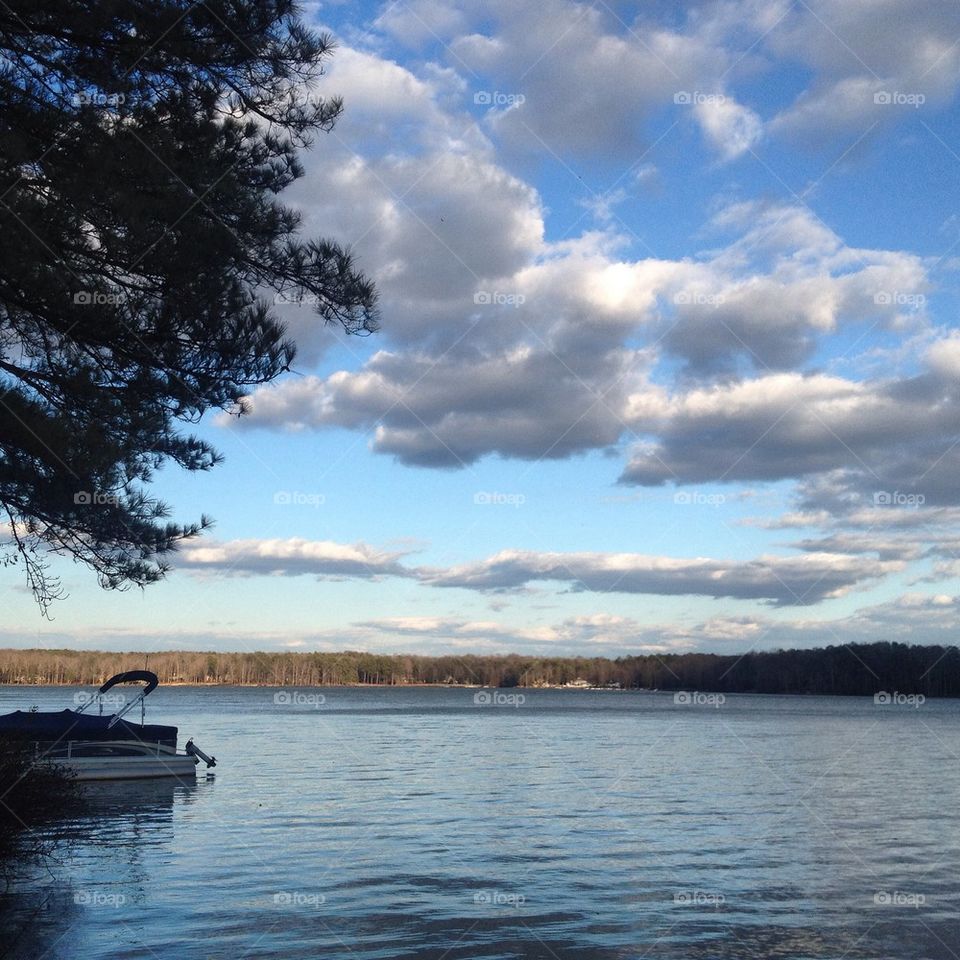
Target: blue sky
[(668, 361)]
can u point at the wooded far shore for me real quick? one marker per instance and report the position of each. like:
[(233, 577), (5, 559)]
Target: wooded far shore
[(849, 669)]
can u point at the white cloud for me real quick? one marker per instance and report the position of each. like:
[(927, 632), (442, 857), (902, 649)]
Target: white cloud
[(541, 367), (888, 436), (803, 578), (785, 580), (500, 342), (943, 356), (291, 557), (911, 618), (732, 128)]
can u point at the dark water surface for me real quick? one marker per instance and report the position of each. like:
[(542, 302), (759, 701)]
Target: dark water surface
[(388, 823)]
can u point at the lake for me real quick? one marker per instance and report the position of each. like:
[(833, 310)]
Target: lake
[(377, 823)]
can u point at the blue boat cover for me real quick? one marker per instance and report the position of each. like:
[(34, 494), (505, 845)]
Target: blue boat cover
[(66, 725)]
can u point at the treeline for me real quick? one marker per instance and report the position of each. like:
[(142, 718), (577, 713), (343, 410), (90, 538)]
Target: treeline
[(857, 669)]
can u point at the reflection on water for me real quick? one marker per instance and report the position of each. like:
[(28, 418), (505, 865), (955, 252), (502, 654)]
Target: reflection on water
[(149, 800), (132, 814), (114, 843), (418, 824)]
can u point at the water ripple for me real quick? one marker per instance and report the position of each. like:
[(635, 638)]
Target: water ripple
[(411, 823)]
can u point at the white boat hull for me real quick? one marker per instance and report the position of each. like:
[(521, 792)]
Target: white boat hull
[(129, 768), (118, 760)]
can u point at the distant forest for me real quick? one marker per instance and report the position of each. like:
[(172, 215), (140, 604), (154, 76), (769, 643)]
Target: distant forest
[(856, 669)]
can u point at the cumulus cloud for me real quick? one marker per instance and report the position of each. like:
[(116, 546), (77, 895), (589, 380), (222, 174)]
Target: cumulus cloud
[(867, 62), (798, 579), (589, 634), (877, 439), (908, 534), (912, 618), (412, 186), (500, 342), (781, 285), (294, 556), (448, 412), (732, 128), (784, 580), (541, 363), (833, 109), (503, 342), (591, 80)]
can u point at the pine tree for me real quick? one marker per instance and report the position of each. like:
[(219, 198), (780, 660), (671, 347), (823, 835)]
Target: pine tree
[(143, 146)]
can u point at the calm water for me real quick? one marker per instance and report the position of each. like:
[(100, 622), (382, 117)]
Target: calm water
[(386, 823)]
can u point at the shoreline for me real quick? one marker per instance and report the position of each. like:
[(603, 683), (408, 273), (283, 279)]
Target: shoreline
[(476, 686), (890, 669), (372, 686)]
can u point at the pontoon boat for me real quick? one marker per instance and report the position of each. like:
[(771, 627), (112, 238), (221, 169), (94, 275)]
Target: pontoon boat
[(106, 747)]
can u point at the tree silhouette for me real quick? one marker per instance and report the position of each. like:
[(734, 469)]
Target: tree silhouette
[(854, 669), (143, 147)]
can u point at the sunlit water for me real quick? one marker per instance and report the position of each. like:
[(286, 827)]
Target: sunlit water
[(382, 823)]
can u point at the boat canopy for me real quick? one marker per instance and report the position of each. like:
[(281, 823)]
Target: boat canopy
[(132, 676), (64, 725)]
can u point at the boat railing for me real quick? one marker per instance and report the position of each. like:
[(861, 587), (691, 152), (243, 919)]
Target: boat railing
[(68, 749)]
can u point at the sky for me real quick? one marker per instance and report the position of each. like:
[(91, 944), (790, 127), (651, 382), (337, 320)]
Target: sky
[(669, 354)]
